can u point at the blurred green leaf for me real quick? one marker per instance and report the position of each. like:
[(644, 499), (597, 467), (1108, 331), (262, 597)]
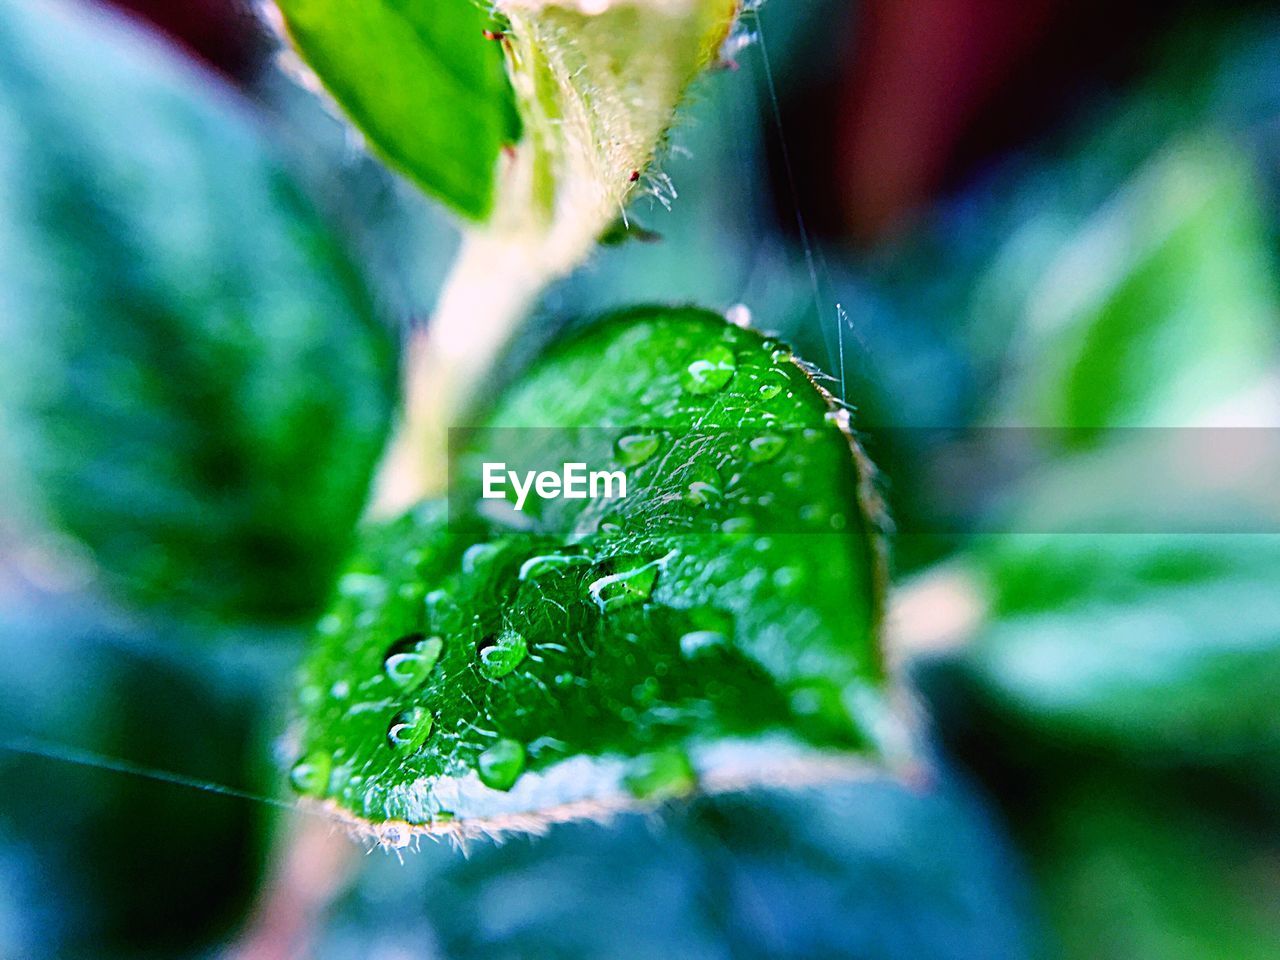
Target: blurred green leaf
[(1141, 618), (1162, 645), (423, 84), (1135, 870), (192, 378), (1162, 305), (725, 607)]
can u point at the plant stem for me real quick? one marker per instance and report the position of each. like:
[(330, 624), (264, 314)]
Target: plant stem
[(490, 287)]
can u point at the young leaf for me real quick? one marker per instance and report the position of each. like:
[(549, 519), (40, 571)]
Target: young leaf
[(192, 379), (717, 624), (423, 84), (596, 85)]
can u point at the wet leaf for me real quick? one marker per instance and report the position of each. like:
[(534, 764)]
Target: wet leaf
[(724, 610)]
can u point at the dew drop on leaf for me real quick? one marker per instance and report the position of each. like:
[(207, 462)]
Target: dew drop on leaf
[(437, 602), (704, 485), (409, 660), (504, 654), (770, 390), (478, 556), (364, 587), (661, 776), (765, 447), (630, 585), (409, 728), (500, 766), (546, 563), (634, 449), (711, 371), (310, 775), (787, 578), (696, 641)]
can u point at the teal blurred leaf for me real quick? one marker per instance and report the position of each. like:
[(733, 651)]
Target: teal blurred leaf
[(193, 381), (872, 870)]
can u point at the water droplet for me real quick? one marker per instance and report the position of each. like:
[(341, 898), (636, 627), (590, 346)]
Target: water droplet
[(630, 585), (409, 660), (500, 766), (394, 834), (363, 586), (819, 706), (634, 449), (770, 390), (710, 371), (765, 447), (310, 775), (499, 657), (661, 776), (738, 525), (477, 556), (696, 641), (787, 578), (547, 563), (410, 728), (411, 593), (437, 603), (704, 485), (739, 315)]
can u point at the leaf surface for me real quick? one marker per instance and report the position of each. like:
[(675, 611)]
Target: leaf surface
[(716, 625)]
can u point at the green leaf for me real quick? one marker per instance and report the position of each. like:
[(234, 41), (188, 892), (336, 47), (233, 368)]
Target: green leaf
[(1134, 868), (717, 624), (423, 84), (1141, 618), (1166, 646), (193, 382), (1162, 306)]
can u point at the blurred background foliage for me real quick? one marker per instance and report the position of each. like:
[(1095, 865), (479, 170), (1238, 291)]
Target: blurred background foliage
[(1032, 215)]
